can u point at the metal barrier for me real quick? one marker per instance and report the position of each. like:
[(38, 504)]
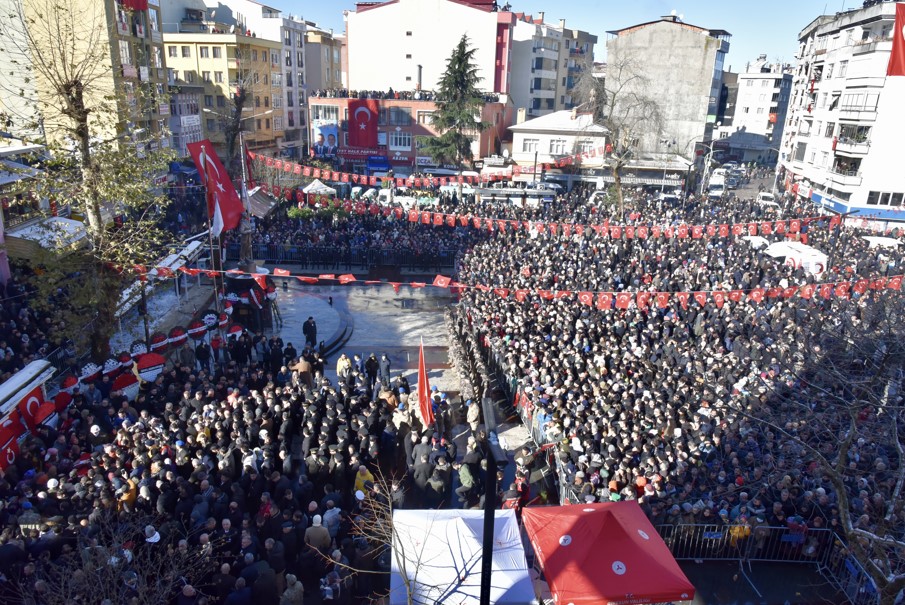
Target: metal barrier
[(337, 257)]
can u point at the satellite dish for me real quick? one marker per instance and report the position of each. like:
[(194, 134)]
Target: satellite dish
[(506, 153)]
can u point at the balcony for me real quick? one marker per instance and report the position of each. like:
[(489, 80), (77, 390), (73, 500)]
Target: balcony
[(868, 46), (846, 178), (861, 114), (851, 147)]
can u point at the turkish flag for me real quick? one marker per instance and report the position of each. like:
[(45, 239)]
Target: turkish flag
[(224, 207), (413, 216), (697, 232), (842, 290), (861, 286), (441, 281), (683, 299), (774, 292), (629, 232), (501, 225), (28, 407), (896, 65), (756, 294), (643, 300), (450, 220), (424, 401), (604, 300), (826, 291), (894, 283), (545, 294), (615, 232), (724, 230), (438, 219), (752, 229), (347, 278), (737, 229), (579, 229), (623, 300), (586, 298), (808, 291), (878, 283), (662, 299), (766, 228), (719, 298), (398, 212), (794, 226), (656, 231), (711, 230), (280, 272), (701, 297), (790, 292), (682, 231), (641, 232), (426, 218), (9, 453), (501, 292), (521, 295), (735, 295)]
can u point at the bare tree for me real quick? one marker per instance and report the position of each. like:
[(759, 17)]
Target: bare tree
[(124, 558), (622, 103), (101, 165), (842, 410)]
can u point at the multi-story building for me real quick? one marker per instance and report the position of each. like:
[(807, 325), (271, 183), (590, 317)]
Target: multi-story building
[(224, 58), (324, 52), (404, 44), (185, 115), (128, 34), (844, 129), (752, 127), (269, 23), (402, 125), (682, 65), (546, 62), (552, 137)]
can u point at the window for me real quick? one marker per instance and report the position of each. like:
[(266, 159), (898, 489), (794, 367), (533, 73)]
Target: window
[(408, 78), (764, 83), (288, 78), (828, 74), (823, 97), (172, 51), (288, 58), (830, 129), (221, 101), (254, 54), (257, 101), (211, 125), (276, 80), (872, 198), (843, 68), (530, 145), (203, 52), (218, 77), (206, 76), (400, 116), (267, 101), (328, 113), (267, 123), (189, 76), (746, 109), (408, 56), (399, 140), (300, 78), (278, 123), (425, 117), (290, 115), (824, 158), (557, 146), (408, 33), (895, 199), (585, 146), (125, 53), (800, 150), (174, 75), (287, 38), (255, 78), (760, 110), (812, 157), (277, 101), (186, 51), (290, 102), (299, 40), (300, 59), (750, 83), (216, 52), (208, 100)]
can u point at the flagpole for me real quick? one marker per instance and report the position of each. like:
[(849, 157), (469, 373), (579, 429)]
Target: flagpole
[(216, 264)]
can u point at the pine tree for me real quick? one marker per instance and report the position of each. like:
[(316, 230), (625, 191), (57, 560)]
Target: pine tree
[(459, 106)]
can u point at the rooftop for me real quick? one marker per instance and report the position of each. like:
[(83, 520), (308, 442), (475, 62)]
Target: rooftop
[(561, 121), (673, 19)]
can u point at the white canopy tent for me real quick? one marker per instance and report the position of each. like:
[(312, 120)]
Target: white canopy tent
[(797, 254), (318, 188), (440, 551), (874, 241)]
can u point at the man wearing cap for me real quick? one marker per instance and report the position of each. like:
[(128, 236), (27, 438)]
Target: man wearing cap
[(317, 536)]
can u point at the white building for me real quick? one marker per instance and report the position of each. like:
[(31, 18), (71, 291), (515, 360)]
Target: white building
[(759, 113), (404, 44), (554, 136), (843, 143), (546, 62)]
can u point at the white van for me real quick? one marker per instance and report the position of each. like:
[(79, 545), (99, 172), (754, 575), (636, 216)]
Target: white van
[(763, 196)]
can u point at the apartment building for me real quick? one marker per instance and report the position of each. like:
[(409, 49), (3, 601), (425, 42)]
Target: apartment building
[(843, 134), (324, 52)]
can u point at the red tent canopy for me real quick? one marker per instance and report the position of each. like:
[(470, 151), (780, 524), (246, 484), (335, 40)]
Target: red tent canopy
[(604, 553)]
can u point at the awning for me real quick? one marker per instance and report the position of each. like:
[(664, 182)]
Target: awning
[(52, 232), (13, 172), (261, 204)]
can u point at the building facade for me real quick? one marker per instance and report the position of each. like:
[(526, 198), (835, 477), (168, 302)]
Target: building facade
[(751, 130), (324, 53), (221, 63), (554, 136), (269, 23), (402, 125), (844, 128), (681, 65), (545, 65)]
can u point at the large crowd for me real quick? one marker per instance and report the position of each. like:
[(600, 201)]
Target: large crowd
[(258, 468)]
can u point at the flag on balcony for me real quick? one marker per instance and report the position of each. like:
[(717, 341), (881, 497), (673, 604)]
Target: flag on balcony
[(363, 114), (896, 65), (223, 204), (136, 5)]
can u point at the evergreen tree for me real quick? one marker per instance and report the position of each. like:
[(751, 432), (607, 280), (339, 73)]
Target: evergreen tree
[(458, 113)]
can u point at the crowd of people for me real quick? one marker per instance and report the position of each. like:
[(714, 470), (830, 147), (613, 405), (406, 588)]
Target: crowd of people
[(256, 468), (390, 94), (709, 412)]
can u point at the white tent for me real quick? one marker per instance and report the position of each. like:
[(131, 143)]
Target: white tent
[(440, 552), (874, 241), (318, 188)]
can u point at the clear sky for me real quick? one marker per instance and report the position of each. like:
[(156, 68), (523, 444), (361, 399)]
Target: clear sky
[(767, 26)]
